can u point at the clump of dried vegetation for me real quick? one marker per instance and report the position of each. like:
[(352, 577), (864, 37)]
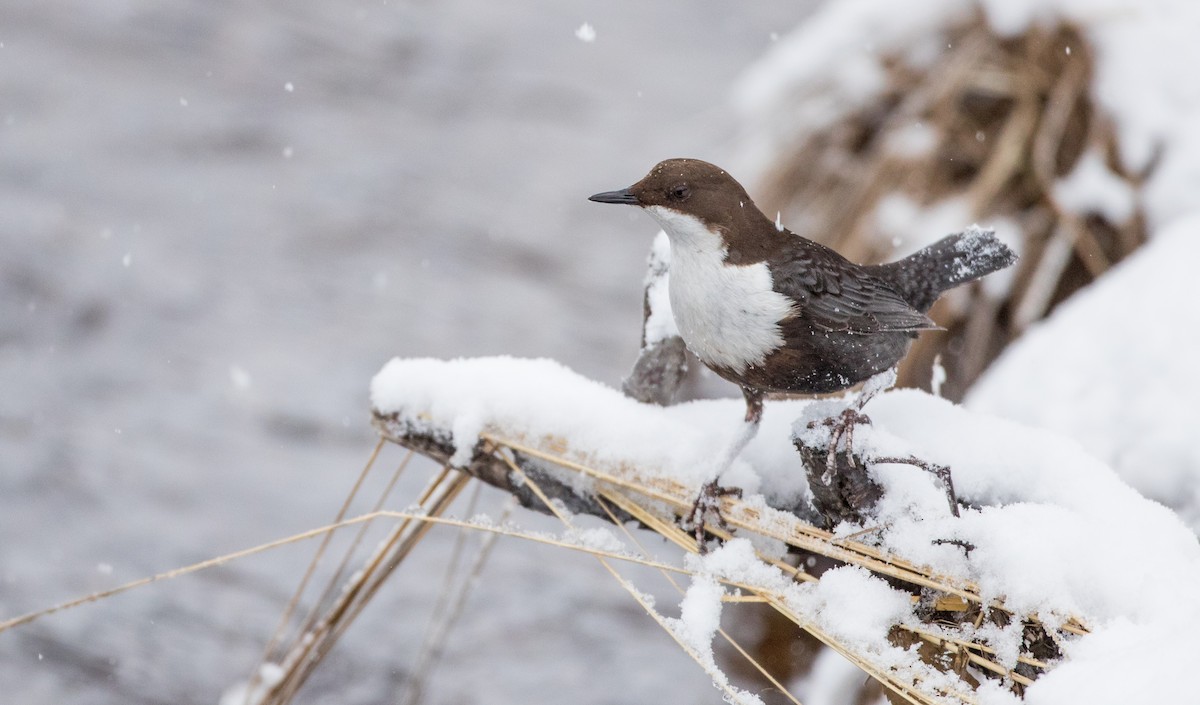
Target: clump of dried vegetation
[(1010, 117)]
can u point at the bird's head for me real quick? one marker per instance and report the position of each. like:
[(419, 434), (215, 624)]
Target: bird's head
[(681, 193)]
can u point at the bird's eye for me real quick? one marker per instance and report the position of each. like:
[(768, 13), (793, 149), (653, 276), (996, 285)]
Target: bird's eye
[(679, 192)]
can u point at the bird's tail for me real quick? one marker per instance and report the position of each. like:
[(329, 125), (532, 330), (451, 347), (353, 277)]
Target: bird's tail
[(956, 259)]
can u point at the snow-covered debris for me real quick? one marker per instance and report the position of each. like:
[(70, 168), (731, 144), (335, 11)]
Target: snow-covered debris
[(1054, 532), (537, 398), (1145, 54), (856, 606), (700, 615), (1115, 369)]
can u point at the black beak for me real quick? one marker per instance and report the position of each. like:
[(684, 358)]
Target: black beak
[(624, 196)]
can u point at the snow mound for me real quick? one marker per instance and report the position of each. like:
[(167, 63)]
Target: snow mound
[(1113, 368), (1052, 531)]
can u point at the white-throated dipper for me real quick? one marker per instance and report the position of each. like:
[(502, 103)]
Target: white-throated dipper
[(772, 311)]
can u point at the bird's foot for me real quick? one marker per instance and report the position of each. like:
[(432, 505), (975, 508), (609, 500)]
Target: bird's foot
[(941, 472), (709, 502), (841, 426)]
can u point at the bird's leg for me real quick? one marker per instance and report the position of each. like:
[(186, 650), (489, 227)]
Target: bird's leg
[(941, 472), (842, 426), (711, 492)]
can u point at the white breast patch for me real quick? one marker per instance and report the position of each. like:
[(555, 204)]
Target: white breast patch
[(728, 315)]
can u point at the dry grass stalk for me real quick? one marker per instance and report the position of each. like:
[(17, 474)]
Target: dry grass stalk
[(778, 525), (311, 646), (731, 694), (450, 603), (742, 652), (269, 650)]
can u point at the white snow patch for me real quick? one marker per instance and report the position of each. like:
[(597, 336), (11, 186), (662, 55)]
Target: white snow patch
[(240, 378), (660, 323), (857, 607), (597, 539), (1113, 368), (700, 615), (913, 141), (1091, 187), (900, 219), (586, 33), (540, 397), (252, 693), (937, 376)]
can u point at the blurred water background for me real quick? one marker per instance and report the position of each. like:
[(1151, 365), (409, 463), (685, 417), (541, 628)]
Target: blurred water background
[(219, 219)]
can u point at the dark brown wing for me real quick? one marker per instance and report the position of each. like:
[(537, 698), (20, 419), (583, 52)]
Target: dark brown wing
[(834, 294)]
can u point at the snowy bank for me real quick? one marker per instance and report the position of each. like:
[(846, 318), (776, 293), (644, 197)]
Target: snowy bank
[(1114, 369), (1051, 530)]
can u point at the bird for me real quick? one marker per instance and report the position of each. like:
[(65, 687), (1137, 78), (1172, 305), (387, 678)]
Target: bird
[(772, 311)]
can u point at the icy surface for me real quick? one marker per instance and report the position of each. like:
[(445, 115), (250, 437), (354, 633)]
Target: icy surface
[(1056, 533), (1115, 369)]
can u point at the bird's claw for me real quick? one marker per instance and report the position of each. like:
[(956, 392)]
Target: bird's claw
[(709, 502), (841, 426)]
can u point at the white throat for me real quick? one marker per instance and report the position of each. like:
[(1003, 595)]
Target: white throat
[(728, 315)]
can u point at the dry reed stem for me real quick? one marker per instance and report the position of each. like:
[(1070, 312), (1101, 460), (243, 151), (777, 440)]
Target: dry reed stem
[(925, 634), (450, 605), (784, 527), (897, 683), (334, 581), (798, 534), (724, 635), (732, 694), (686, 540), (314, 644), (277, 635), (316, 560), (955, 646), (216, 561)]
